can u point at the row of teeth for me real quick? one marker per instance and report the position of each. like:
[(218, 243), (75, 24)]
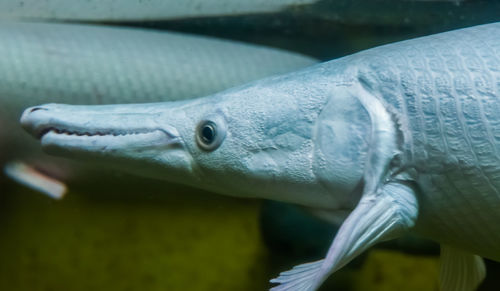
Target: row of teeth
[(98, 133)]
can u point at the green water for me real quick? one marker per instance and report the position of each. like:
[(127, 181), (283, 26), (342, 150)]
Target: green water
[(133, 239), (131, 234)]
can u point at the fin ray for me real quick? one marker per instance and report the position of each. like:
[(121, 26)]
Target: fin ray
[(378, 216), (299, 278), (459, 270)]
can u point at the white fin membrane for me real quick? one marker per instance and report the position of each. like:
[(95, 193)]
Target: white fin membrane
[(30, 177), (459, 270), (378, 217), (298, 278)]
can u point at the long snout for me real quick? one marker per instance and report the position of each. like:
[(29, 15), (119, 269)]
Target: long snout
[(98, 129), (139, 138)]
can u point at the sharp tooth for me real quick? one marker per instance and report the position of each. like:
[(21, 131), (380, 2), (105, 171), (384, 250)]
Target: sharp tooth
[(90, 134)]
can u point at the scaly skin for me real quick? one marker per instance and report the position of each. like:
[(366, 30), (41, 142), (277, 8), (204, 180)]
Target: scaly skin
[(403, 134), (84, 64), (445, 94)]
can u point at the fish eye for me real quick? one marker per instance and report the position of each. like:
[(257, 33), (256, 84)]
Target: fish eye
[(209, 135)]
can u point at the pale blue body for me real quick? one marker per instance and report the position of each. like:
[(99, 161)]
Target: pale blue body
[(445, 95), (404, 135)]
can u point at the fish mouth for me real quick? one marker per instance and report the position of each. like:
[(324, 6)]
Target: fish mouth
[(143, 138), (76, 133), (61, 132), (62, 141), (103, 140)]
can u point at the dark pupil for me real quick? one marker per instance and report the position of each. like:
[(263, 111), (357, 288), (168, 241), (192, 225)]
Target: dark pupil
[(208, 133)]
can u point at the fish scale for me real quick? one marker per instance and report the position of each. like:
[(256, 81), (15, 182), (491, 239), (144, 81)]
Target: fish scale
[(452, 135)]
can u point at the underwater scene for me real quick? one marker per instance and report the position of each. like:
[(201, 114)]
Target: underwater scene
[(146, 184)]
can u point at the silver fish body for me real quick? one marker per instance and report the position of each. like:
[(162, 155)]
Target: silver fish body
[(445, 95), (404, 135), (436, 159)]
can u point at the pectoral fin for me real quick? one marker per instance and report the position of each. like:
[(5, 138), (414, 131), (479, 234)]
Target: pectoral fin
[(379, 216), (34, 179), (460, 271)]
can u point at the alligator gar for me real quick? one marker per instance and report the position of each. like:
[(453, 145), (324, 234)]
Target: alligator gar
[(407, 135)]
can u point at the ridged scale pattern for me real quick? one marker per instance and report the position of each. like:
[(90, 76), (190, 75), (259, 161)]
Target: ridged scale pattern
[(444, 91)]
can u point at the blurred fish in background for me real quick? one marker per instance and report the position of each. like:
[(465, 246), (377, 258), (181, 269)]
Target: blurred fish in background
[(152, 10), (159, 236)]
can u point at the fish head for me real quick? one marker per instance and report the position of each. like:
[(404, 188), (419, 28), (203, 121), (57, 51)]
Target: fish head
[(254, 140)]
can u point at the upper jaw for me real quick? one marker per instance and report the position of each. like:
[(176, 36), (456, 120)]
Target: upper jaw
[(63, 128)]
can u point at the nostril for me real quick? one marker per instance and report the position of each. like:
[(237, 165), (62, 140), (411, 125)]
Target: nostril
[(36, 109), (28, 118)]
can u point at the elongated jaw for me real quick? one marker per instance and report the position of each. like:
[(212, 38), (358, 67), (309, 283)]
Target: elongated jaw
[(138, 138), (114, 130)]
